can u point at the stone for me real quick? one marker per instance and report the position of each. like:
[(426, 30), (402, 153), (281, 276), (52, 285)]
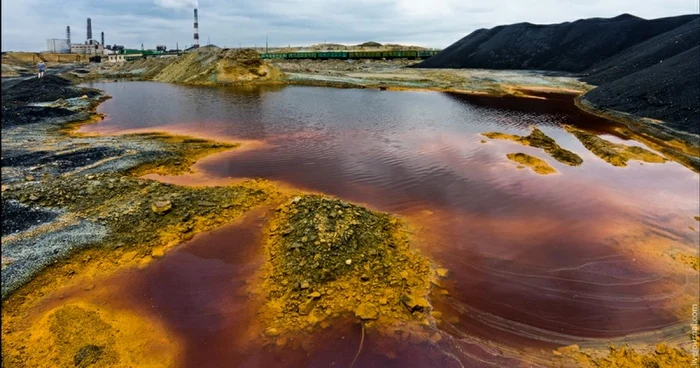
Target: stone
[(29, 178), (33, 197), (348, 262), (404, 274), (161, 207), (304, 285), (569, 349), (366, 311), (306, 307), (157, 252), (87, 355), (441, 272), (414, 303), (128, 256), (435, 338), (272, 332), (315, 295)]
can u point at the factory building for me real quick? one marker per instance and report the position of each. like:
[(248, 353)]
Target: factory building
[(89, 47)]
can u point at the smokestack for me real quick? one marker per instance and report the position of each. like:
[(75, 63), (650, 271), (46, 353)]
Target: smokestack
[(102, 34), (68, 36), (89, 29), (196, 29)]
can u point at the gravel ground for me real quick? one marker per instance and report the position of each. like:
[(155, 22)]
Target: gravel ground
[(37, 154), (17, 217)]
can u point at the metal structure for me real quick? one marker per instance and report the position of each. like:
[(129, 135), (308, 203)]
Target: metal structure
[(196, 30), (68, 37), (58, 45), (89, 30), (102, 39)]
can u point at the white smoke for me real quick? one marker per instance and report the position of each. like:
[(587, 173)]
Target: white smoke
[(177, 4)]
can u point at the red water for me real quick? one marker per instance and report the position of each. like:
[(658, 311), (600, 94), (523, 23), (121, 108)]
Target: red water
[(535, 261)]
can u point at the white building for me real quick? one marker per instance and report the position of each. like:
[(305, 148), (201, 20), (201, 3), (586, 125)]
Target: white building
[(91, 47), (57, 45)]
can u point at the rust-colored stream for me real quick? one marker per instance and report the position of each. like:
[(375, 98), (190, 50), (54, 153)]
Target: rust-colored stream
[(535, 261)]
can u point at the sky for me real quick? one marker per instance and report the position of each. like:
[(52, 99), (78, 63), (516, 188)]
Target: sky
[(27, 24)]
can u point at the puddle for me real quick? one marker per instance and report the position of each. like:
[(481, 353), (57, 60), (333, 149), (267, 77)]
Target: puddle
[(535, 261)]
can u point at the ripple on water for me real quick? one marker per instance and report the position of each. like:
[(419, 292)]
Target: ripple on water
[(535, 261)]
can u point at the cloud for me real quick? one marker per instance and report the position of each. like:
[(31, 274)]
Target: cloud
[(177, 4), (433, 23)]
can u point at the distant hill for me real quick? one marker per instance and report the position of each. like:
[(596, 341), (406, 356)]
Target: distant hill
[(650, 68), (571, 46)]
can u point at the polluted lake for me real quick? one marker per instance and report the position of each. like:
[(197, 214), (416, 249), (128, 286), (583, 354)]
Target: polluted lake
[(414, 229)]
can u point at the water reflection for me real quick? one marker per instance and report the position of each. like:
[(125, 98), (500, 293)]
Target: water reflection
[(536, 261)]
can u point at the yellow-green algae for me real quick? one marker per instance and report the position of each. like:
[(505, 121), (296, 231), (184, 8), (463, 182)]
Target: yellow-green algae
[(613, 153), (540, 140), (537, 165)]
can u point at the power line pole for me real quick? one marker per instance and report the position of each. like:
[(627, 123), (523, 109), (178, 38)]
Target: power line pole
[(266, 44)]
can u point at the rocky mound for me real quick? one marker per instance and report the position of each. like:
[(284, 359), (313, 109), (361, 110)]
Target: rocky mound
[(655, 50), (647, 68), (326, 257), (17, 97), (571, 46), (668, 91), (47, 89), (218, 66)]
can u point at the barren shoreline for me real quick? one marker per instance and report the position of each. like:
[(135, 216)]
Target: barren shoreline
[(108, 217)]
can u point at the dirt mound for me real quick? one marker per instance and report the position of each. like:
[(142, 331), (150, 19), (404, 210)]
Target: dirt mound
[(646, 54), (47, 89), (218, 66), (647, 68), (370, 44), (668, 91), (571, 46), (85, 335), (20, 115), (326, 257)]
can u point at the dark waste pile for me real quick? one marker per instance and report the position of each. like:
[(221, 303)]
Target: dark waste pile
[(648, 68), (327, 258), (540, 140), (17, 97)]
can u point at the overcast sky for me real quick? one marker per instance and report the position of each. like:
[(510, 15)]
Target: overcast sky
[(26, 24)]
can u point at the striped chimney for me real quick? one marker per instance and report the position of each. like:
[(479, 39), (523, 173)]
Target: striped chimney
[(196, 29)]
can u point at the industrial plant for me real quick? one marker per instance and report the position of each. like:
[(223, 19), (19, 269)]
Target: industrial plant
[(111, 53)]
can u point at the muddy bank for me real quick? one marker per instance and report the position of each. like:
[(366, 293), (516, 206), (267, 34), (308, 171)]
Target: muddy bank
[(68, 192)]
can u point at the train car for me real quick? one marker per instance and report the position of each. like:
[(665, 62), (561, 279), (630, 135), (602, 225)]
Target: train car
[(332, 55), (301, 55), (365, 55), (273, 55), (400, 54)]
